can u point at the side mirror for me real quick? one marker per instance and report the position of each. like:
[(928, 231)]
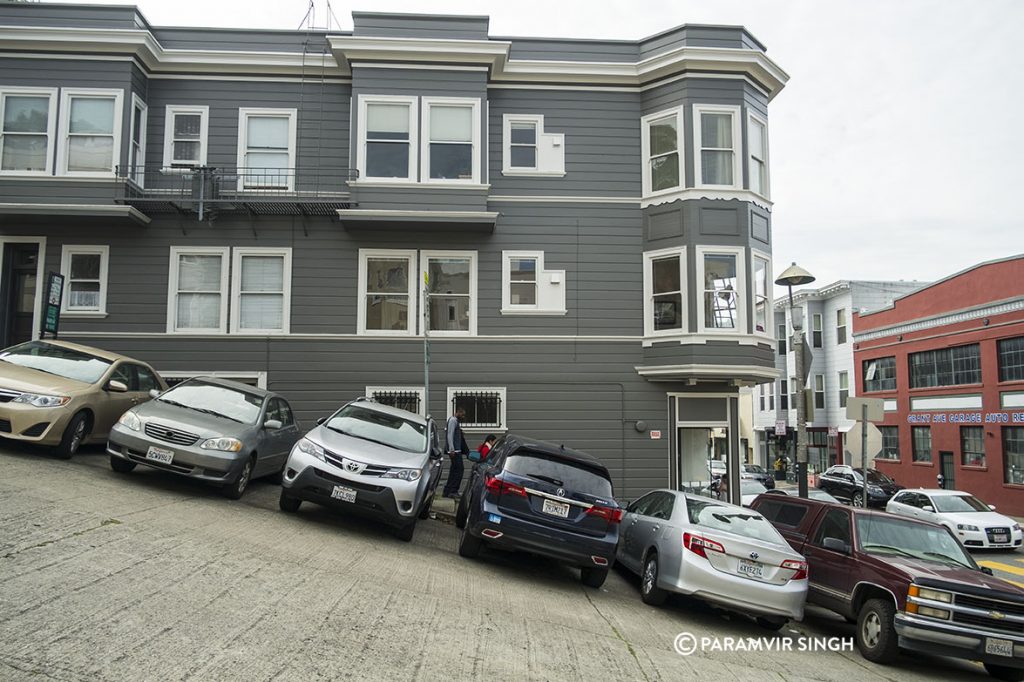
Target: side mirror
[(115, 386), (154, 393), (928, 508), (837, 545), (986, 570), (272, 424), (435, 454), (992, 507)]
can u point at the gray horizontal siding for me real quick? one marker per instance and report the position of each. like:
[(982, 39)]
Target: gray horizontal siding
[(418, 82), (314, 42), (77, 16), (697, 36), (572, 50), (722, 353), (415, 198), (382, 24)]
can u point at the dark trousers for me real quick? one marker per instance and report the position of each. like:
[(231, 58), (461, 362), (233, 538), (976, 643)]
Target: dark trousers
[(454, 475)]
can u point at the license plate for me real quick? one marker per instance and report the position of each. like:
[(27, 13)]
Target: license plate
[(998, 647), (344, 494), (555, 508), (751, 568), (1002, 539), (160, 455)]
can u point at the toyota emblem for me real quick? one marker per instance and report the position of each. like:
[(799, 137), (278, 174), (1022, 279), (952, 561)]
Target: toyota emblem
[(352, 466), (754, 555), (560, 492)]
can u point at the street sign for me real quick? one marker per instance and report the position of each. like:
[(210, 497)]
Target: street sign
[(780, 427), (808, 356), (51, 306), (833, 431), (855, 409), (853, 441), (655, 435)]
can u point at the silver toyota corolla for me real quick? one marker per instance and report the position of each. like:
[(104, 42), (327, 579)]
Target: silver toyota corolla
[(715, 551)]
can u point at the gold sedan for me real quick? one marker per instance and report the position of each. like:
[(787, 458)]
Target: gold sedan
[(63, 394)]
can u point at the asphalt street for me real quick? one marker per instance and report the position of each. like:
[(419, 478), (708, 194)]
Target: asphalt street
[(150, 577)]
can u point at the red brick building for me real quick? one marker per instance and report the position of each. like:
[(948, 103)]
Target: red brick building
[(948, 360)]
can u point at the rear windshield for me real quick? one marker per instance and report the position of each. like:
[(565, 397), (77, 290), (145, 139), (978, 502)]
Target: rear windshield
[(738, 520), (753, 469), (63, 362), (782, 513), (559, 472)]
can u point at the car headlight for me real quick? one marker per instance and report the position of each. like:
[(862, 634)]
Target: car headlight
[(966, 526), (310, 448), (36, 400), (875, 490), (222, 444), (130, 420), (402, 474), (1016, 526)]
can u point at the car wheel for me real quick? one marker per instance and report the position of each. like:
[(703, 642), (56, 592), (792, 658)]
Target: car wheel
[(469, 545), (1002, 672), (461, 513), (404, 533), (650, 593), (287, 503), (74, 435), (121, 466), (858, 500), (234, 491), (876, 633), (773, 624), (593, 577)]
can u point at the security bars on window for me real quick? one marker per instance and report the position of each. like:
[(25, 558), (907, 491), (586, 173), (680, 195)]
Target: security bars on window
[(403, 400), (483, 408)]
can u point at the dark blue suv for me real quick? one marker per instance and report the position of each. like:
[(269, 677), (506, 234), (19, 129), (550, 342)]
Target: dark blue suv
[(545, 499)]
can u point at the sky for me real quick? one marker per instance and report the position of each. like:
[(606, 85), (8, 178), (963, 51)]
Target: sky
[(895, 148)]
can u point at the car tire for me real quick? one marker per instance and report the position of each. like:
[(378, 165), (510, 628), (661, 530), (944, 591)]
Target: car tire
[(405, 533), (235, 490), (650, 593), (593, 577), (461, 513), (1002, 672), (857, 500), (876, 632), (74, 435), (121, 466), (287, 503), (425, 509), (773, 624), (469, 544)]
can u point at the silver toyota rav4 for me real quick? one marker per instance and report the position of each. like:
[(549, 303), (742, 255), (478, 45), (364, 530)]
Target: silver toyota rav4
[(367, 459)]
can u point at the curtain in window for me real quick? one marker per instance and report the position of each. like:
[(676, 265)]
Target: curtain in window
[(199, 291), (84, 281), (261, 293)]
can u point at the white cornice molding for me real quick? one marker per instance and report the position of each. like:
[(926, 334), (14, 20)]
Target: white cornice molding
[(700, 193), (671, 372), (491, 53)]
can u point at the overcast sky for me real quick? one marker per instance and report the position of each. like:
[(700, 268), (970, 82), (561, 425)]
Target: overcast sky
[(897, 147)]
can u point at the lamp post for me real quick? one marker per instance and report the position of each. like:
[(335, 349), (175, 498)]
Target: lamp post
[(795, 276)]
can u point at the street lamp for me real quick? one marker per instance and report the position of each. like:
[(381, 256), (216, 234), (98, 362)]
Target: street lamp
[(795, 276)]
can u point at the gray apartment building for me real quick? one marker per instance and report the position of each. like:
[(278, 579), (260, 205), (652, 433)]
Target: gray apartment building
[(583, 226)]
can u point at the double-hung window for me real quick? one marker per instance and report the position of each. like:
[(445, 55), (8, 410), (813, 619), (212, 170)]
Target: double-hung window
[(522, 145), (266, 148), (841, 326), (716, 131), (762, 293), (85, 276), (722, 279), (783, 395), (451, 282), (387, 286), (844, 388), (261, 290), (90, 131), (528, 288), (387, 146), (664, 300), (185, 135), (452, 130), (198, 290), (660, 145), (27, 121), (819, 391), (816, 330), (528, 150), (522, 285), (757, 144), (782, 339), (137, 151)]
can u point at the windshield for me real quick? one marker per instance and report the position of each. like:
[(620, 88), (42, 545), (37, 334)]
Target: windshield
[(63, 362), (214, 399), (889, 536), (738, 520), (753, 468), (751, 488), (958, 504), (558, 472), (379, 427)]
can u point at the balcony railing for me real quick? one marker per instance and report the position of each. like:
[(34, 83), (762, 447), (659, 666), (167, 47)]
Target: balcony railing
[(207, 191)]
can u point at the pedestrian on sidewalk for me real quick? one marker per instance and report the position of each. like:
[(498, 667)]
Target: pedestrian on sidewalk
[(457, 447), (485, 447)]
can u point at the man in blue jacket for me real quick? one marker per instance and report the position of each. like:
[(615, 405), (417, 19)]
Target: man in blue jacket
[(457, 447)]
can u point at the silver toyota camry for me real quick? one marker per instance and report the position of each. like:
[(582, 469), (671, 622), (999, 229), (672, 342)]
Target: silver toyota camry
[(712, 550)]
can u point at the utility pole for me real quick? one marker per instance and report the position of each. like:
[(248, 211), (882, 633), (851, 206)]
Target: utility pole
[(426, 344)]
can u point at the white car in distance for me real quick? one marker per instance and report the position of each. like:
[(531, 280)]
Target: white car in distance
[(975, 523)]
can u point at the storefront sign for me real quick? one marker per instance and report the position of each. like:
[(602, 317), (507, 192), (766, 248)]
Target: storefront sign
[(966, 418), (780, 427), (655, 435), (51, 307)]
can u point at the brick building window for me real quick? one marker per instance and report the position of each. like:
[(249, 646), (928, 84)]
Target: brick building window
[(922, 438), (1013, 455), (880, 374), (972, 446), (1011, 359), (946, 367), (890, 442)]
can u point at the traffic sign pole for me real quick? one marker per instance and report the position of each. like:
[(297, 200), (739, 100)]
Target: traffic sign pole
[(864, 452)]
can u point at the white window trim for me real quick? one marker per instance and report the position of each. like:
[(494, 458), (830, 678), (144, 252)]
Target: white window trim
[(502, 412), (768, 333), (645, 150), (243, 124), (410, 256), (66, 95), (425, 105), (845, 326), (823, 392), (51, 124), (507, 307), (172, 286), (418, 390), (767, 193), (66, 252), (413, 103), (260, 377), (649, 258), (742, 290), (557, 140), (737, 145), (236, 288), (204, 128), (137, 173), (474, 292)]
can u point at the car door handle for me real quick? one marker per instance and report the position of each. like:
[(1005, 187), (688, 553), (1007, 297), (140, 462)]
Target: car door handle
[(657, 527)]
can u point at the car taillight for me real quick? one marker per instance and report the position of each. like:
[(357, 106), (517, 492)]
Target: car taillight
[(701, 545), (799, 566), (500, 487), (613, 515)]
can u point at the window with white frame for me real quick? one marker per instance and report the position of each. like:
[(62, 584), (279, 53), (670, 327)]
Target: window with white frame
[(757, 144), (716, 132), (90, 131), (819, 391), (722, 280), (844, 388), (522, 281), (522, 145), (528, 150), (408, 398), (387, 286), (816, 330), (771, 397), (85, 278), (266, 148), (782, 338), (387, 144), (137, 150), (186, 129), (664, 302), (841, 326), (261, 290), (198, 290), (661, 148), (528, 288), (451, 149), (27, 122), (451, 281), (484, 406), (762, 294)]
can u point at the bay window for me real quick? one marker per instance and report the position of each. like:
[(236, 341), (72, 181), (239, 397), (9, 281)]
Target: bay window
[(90, 131), (723, 284), (266, 148), (387, 285), (452, 127), (762, 294), (27, 117), (757, 143), (137, 150), (388, 138), (664, 301), (716, 146), (660, 143)]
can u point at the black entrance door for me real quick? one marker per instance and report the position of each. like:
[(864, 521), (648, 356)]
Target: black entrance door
[(948, 473), (18, 291)]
